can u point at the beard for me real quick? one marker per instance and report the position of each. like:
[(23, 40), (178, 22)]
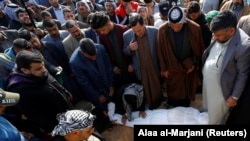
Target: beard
[(40, 79), (28, 24), (237, 4)]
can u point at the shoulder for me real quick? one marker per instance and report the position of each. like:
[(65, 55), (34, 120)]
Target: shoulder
[(151, 28), (128, 32)]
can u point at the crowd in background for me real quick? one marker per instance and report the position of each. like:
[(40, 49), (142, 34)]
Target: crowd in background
[(62, 55)]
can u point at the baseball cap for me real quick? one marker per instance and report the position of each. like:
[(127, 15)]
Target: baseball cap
[(8, 98), (22, 44)]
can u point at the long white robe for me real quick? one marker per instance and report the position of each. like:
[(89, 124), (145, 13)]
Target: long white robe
[(213, 100)]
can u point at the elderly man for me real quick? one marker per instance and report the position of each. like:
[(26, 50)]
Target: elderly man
[(180, 47)]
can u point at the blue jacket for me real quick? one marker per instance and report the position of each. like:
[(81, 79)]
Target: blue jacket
[(94, 77)]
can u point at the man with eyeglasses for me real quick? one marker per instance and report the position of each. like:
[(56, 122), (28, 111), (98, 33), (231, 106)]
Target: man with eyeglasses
[(225, 67)]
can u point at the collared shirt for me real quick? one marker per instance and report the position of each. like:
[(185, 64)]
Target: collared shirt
[(59, 14)]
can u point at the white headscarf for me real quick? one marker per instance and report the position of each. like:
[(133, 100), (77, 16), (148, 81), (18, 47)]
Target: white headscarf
[(10, 11), (86, 4), (32, 2)]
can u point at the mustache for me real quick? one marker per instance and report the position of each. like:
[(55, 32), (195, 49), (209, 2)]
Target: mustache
[(237, 4)]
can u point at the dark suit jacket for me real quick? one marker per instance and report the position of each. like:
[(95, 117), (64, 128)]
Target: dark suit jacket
[(52, 12), (94, 77)]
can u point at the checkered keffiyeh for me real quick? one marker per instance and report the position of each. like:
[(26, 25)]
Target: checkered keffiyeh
[(73, 120), (136, 90)]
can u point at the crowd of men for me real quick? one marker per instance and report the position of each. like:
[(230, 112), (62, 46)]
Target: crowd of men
[(62, 55)]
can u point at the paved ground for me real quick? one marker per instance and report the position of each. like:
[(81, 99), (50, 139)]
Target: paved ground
[(123, 133)]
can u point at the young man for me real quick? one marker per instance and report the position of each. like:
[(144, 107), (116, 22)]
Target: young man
[(42, 96), (226, 68)]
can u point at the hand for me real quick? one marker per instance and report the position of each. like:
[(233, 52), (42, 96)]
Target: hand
[(102, 99), (58, 68), (39, 32), (190, 69), (142, 114), (27, 135), (130, 68), (231, 102), (133, 45), (111, 91), (165, 74), (116, 70), (124, 119)]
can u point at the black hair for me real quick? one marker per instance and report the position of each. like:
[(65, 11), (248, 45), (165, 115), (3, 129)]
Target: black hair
[(98, 20), (20, 10), (26, 34), (225, 19), (131, 100), (45, 13), (49, 23), (25, 58), (88, 46), (66, 9), (193, 7), (70, 24), (135, 18), (147, 1)]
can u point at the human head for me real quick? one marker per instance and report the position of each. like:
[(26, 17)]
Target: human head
[(88, 48), (21, 44), (194, 10), (149, 3), (46, 15), (74, 29), (51, 26), (31, 63), (210, 15), (164, 7), (10, 11), (31, 37), (32, 4), (82, 7), (238, 3), (54, 3), (74, 125), (110, 6), (224, 26), (143, 11), (132, 98), (127, 6), (137, 24), (100, 22), (176, 18), (68, 14), (23, 16)]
